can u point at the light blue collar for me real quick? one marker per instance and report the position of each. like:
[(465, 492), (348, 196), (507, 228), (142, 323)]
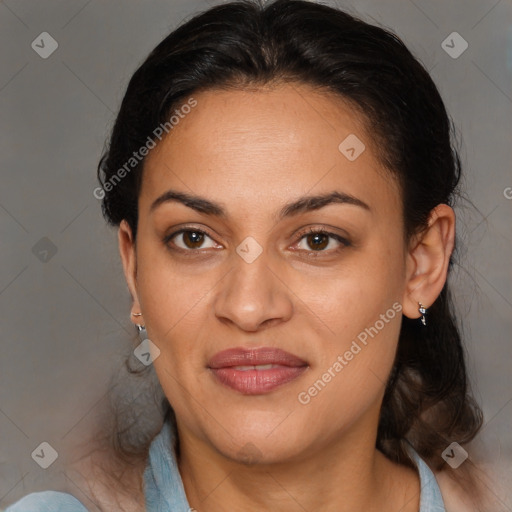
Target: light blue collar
[(430, 497), (164, 490)]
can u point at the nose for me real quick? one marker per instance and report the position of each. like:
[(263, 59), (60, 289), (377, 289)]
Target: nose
[(252, 296)]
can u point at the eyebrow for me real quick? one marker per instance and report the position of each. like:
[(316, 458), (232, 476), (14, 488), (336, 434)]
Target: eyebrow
[(301, 205)]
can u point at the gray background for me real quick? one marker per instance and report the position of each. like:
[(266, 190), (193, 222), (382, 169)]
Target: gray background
[(65, 316)]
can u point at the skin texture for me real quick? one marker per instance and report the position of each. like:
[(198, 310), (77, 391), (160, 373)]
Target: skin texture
[(252, 152)]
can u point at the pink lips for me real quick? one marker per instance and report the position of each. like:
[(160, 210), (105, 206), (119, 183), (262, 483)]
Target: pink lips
[(276, 367)]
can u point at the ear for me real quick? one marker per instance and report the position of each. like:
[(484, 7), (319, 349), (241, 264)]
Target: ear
[(129, 259), (427, 262)]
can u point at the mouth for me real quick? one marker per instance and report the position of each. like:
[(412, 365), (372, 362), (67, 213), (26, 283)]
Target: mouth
[(255, 371)]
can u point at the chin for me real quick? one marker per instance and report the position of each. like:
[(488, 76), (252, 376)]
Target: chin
[(259, 442)]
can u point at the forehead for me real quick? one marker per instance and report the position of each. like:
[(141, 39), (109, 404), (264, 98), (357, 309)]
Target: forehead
[(266, 143)]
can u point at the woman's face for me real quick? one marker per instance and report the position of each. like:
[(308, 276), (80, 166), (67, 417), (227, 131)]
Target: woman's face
[(263, 169)]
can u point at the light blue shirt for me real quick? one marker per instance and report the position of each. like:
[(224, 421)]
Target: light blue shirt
[(164, 490)]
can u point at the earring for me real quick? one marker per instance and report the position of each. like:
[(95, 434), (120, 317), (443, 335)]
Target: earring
[(140, 327), (422, 309)]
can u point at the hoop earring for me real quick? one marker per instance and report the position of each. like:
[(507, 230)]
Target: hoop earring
[(422, 309)]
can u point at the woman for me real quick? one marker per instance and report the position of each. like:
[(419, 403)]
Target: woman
[(282, 177)]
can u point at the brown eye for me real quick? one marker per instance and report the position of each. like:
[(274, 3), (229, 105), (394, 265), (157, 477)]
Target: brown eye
[(318, 241), (190, 239), (193, 239)]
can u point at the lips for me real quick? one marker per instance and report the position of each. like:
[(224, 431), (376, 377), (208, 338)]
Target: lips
[(254, 357), (255, 371)]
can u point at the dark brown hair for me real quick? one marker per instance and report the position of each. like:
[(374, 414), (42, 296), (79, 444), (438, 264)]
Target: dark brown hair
[(246, 44)]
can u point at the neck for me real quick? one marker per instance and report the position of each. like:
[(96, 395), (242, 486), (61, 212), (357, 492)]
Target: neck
[(347, 474)]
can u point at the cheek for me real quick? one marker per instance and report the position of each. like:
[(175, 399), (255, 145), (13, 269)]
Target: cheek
[(353, 371), (352, 298), (362, 309), (173, 301), (174, 306)]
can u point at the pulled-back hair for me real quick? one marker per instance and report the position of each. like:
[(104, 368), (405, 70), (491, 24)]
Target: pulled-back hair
[(248, 45)]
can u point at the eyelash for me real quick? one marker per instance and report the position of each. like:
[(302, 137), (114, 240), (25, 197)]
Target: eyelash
[(310, 231), (314, 231)]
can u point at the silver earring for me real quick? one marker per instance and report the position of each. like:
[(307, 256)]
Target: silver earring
[(141, 332), (422, 309), (140, 327)]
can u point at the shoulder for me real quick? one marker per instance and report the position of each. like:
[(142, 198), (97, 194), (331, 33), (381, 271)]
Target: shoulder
[(47, 501)]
